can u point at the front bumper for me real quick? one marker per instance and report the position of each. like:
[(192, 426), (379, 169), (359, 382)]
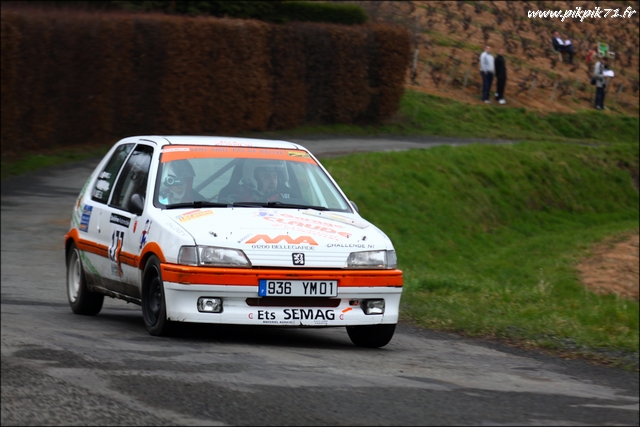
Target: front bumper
[(238, 289)]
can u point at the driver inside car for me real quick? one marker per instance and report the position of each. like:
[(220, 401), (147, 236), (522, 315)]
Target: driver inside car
[(267, 179), (177, 183), (264, 181)]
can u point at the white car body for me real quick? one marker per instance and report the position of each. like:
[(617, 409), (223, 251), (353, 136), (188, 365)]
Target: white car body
[(114, 239)]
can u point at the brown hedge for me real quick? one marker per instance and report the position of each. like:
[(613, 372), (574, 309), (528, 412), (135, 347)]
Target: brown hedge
[(73, 78)]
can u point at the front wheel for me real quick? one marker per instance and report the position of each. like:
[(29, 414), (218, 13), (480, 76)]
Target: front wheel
[(81, 300), (371, 336), (154, 309)]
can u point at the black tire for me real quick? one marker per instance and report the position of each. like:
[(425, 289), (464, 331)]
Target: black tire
[(371, 336), (81, 300), (154, 309)]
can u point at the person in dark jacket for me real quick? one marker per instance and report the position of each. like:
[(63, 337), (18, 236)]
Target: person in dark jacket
[(601, 81), (501, 76), (562, 46)]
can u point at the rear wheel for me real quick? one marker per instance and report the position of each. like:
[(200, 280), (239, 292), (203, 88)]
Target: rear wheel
[(154, 310), (81, 300), (371, 336)]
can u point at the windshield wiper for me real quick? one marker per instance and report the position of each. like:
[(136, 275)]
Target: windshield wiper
[(198, 204), (294, 206), (205, 204)]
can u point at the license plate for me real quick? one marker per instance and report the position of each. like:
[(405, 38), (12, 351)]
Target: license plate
[(298, 288)]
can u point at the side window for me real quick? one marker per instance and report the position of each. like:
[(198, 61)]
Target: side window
[(105, 181), (133, 179)]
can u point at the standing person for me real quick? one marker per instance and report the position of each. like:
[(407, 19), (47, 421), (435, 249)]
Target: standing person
[(601, 84), (501, 76), (487, 70)]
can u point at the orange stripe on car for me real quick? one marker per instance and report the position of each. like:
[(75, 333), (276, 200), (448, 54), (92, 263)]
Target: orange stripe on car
[(171, 153), (246, 277), (103, 250), (91, 247)]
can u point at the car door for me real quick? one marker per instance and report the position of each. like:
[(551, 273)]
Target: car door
[(97, 265), (119, 223)]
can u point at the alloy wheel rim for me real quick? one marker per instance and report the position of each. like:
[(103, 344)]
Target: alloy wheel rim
[(155, 301), (73, 278)]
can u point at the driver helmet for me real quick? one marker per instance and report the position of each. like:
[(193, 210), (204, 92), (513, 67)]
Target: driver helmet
[(177, 179), (253, 167)]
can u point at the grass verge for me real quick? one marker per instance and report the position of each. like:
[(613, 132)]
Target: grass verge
[(489, 236), (32, 161), (422, 114)]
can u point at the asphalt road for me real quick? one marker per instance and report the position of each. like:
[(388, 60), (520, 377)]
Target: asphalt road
[(62, 369)]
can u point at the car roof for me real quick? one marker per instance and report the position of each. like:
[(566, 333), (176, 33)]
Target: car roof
[(164, 140)]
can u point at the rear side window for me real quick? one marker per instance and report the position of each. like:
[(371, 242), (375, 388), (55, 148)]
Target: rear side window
[(133, 179), (107, 177)]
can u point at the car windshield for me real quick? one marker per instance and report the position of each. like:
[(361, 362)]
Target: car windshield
[(221, 176)]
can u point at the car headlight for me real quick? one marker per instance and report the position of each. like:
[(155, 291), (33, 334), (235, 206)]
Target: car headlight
[(372, 259), (212, 256)]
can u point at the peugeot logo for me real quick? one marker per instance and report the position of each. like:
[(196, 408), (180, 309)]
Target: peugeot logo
[(298, 259)]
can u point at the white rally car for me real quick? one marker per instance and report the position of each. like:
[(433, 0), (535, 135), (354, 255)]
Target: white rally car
[(229, 231)]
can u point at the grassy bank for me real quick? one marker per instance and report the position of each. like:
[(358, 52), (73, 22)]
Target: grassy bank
[(438, 116), (488, 236), (422, 114), (30, 162)]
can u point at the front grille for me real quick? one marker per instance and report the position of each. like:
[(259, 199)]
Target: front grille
[(292, 302)]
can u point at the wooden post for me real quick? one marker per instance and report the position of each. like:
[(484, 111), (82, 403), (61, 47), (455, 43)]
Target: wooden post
[(615, 100), (414, 65), (416, 53), (446, 83), (533, 86), (573, 90), (466, 79), (553, 92), (424, 73)]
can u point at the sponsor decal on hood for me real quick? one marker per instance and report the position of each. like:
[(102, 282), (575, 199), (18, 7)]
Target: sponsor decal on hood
[(188, 216), (335, 217), (274, 229)]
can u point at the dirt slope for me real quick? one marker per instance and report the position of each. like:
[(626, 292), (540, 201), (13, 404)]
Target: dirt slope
[(450, 35), (613, 268)]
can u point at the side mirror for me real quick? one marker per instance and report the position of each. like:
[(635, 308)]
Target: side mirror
[(355, 207), (136, 206)]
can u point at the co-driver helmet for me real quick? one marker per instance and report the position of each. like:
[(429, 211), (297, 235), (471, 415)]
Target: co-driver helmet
[(177, 179)]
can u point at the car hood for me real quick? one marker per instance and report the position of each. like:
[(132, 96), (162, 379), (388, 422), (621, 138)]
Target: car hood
[(269, 237)]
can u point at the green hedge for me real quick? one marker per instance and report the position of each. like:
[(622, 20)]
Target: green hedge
[(347, 14), (274, 11), (71, 78)]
